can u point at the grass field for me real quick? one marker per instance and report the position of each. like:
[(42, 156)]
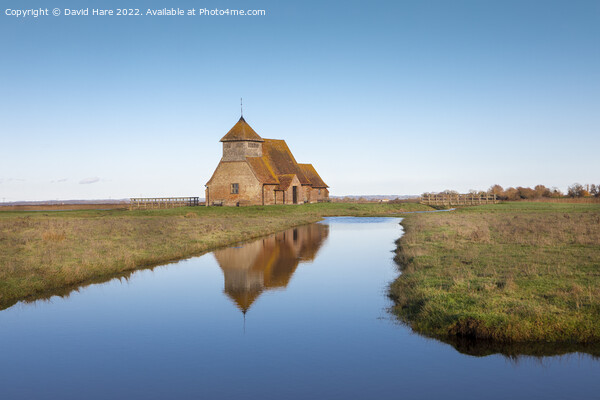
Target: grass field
[(512, 272), (47, 253)]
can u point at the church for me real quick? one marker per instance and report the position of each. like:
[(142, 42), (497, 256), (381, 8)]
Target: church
[(257, 171)]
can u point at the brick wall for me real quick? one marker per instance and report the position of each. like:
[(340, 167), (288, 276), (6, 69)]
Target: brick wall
[(219, 189), (324, 194), (269, 194), (279, 197), (238, 151)]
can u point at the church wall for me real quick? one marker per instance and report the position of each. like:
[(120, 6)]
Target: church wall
[(219, 189), (312, 195), (269, 194), (279, 197), (238, 151), (306, 194), (323, 195)]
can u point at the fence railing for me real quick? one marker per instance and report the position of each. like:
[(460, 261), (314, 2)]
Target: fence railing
[(138, 203), (458, 199)]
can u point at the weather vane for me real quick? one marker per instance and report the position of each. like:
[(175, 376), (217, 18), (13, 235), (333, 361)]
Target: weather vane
[(241, 108)]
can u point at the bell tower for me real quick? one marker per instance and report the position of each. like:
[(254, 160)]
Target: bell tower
[(240, 142)]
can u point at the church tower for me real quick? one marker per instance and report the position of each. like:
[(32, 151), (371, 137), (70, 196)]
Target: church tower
[(240, 142)]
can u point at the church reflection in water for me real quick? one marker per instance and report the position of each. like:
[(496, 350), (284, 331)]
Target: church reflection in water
[(268, 263)]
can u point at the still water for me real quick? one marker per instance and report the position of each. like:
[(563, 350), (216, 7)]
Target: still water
[(298, 315)]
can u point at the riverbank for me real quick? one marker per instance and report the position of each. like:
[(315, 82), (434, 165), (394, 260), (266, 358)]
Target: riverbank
[(512, 272), (49, 253)]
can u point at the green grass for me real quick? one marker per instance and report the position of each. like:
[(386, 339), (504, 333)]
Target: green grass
[(54, 252), (513, 272)]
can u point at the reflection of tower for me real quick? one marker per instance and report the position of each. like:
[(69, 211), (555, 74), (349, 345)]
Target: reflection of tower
[(267, 263)]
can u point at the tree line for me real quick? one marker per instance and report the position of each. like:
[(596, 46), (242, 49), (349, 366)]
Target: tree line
[(539, 191)]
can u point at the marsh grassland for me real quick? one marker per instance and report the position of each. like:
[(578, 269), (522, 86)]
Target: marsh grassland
[(512, 272), (48, 253)]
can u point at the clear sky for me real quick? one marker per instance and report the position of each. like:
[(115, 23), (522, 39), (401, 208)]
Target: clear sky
[(383, 97)]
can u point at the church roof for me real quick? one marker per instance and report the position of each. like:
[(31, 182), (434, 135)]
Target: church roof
[(285, 181), (262, 171), (311, 173), (241, 131), (278, 166), (277, 155)]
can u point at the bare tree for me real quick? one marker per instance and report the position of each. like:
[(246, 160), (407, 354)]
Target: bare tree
[(577, 190)]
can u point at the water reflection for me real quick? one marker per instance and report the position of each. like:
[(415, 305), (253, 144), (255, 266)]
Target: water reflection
[(269, 263), (515, 351)]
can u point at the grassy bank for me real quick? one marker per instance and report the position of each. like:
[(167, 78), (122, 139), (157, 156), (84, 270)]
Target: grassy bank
[(511, 272), (45, 253)]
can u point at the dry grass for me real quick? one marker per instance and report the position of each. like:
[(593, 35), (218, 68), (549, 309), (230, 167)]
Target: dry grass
[(54, 236), (509, 272), (63, 207)]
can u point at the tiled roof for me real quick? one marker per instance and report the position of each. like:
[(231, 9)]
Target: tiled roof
[(311, 173), (285, 181), (241, 131), (261, 170), (277, 155)]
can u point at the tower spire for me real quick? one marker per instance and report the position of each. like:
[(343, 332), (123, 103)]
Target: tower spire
[(241, 108)]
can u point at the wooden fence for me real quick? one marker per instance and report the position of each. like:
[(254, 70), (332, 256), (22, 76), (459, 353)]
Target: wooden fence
[(162, 202), (458, 199)]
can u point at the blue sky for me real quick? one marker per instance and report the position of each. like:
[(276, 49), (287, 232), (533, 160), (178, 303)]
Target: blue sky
[(382, 97)]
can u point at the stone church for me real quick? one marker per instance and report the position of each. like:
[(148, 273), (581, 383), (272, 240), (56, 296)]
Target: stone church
[(257, 171)]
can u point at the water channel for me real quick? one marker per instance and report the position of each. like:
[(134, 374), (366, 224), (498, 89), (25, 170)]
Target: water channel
[(297, 315)]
